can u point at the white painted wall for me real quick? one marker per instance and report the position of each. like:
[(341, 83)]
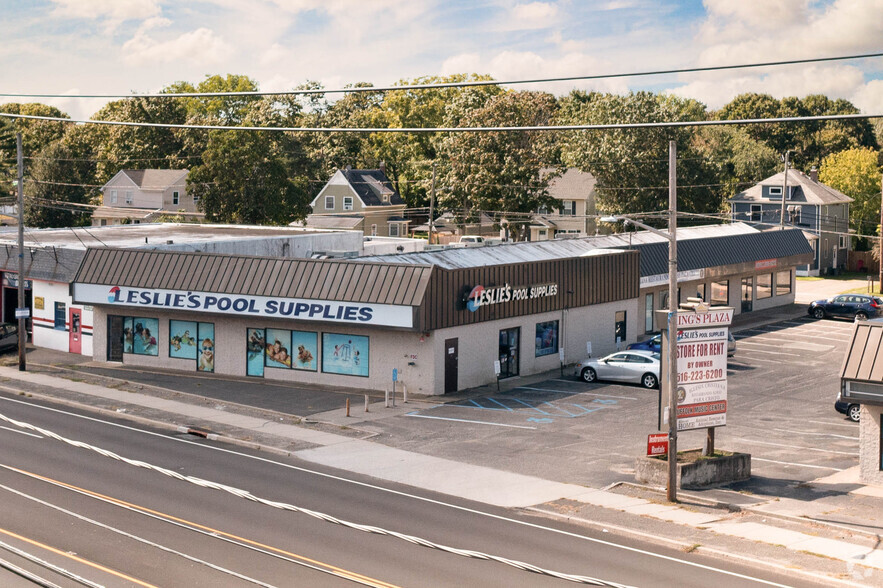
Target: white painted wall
[(44, 333)]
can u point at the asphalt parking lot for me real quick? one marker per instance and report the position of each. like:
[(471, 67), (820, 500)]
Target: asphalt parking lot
[(782, 383)]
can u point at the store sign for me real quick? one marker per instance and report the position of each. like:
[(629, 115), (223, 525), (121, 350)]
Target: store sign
[(39, 302), (481, 296), (684, 276), (264, 306), (765, 264), (713, 317), (657, 444), (702, 378), (11, 281)]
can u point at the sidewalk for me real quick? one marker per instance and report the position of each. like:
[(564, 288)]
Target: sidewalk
[(768, 534)]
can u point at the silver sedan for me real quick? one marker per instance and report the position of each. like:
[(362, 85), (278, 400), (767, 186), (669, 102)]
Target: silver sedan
[(636, 366)]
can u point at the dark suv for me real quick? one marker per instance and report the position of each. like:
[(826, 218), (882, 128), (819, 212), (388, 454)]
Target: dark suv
[(854, 306), (8, 336)]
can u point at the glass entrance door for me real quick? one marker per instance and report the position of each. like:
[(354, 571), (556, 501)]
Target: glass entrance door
[(509, 352), (747, 293)]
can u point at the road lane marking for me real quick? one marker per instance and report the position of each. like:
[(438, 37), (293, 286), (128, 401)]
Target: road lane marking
[(77, 559), (799, 465), (217, 533), (818, 434), (801, 447), (21, 432), (426, 416)]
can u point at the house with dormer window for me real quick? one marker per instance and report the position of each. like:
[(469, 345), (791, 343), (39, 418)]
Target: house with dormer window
[(360, 199), (821, 211), (135, 196), (574, 192)]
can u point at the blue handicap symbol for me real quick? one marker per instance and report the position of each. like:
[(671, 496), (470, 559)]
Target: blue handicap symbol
[(540, 420)]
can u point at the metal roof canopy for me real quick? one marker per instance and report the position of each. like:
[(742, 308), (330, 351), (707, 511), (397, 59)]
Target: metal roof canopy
[(863, 364)]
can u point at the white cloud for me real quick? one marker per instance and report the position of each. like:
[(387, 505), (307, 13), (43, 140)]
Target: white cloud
[(869, 97), (767, 14), (116, 10), (536, 15), (201, 47)]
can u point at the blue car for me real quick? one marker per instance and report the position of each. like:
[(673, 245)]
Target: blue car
[(654, 343), (852, 306), (852, 410)]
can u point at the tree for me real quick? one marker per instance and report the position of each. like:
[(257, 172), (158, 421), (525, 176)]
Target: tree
[(498, 170), (56, 177), (856, 173), (738, 160), (631, 165), (36, 134)]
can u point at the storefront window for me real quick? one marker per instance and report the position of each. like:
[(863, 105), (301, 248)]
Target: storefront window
[(547, 338), (720, 293), (764, 286), (648, 313), (508, 352), (139, 335), (700, 291), (747, 294), (60, 315), (345, 354), (254, 356), (193, 340), (288, 349), (619, 328), (783, 283)]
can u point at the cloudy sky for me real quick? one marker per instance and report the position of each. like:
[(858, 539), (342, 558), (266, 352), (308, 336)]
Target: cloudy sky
[(120, 46)]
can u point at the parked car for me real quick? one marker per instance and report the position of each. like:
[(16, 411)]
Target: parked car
[(850, 409), (636, 366), (654, 343), (853, 306), (8, 336)]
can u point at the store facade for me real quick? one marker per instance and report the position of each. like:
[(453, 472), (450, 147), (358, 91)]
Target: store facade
[(350, 323)]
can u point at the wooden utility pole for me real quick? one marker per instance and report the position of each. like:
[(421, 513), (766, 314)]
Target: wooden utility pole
[(880, 260), (22, 321), (672, 380), (784, 192), (431, 202)]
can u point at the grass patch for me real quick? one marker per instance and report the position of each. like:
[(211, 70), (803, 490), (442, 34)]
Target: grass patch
[(692, 548)]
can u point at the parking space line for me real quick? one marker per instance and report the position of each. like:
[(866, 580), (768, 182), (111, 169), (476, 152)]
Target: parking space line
[(853, 425), (799, 465), (536, 408), (818, 434), (801, 447), (426, 416), (565, 392)]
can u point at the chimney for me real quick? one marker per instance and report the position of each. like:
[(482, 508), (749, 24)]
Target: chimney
[(814, 174), (348, 168), (383, 167)]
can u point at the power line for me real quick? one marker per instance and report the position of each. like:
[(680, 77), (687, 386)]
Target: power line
[(474, 83), (418, 130)]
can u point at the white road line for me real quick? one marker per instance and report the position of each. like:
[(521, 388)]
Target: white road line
[(802, 447), (22, 432), (853, 425), (574, 393), (817, 434), (426, 416), (799, 465)]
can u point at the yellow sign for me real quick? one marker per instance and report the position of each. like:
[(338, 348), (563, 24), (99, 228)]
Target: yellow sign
[(38, 302)]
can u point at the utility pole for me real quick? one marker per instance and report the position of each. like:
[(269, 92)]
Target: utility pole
[(672, 381), (880, 261), (784, 191), (431, 202), (22, 321)]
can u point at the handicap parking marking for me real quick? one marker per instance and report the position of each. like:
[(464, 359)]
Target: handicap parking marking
[(574, 393), (548, 410), (417, 414)]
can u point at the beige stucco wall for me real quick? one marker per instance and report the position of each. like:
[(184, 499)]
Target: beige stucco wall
[(869, 445)]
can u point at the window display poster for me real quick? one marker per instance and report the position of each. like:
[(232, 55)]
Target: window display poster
[(278, 348), (257, 343), (305, 350), (345, 354), (144, 334), (547, 338), (206, 341), (128, 335), (182, 339)]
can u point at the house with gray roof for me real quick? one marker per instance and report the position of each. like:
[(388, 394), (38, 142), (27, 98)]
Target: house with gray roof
[(143, 195), (575, 191), (819, 210), (359, 199)]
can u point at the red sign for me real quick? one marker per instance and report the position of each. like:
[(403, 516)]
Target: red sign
[(657, 444)]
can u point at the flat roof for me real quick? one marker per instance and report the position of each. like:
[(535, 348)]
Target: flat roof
[(145, 233)]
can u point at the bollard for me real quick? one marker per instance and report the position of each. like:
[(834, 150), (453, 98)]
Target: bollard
[(386, 398), (347, 406), (404, 394), (393, 394), (366, 403)]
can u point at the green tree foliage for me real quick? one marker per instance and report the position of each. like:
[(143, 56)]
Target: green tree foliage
[(36, 134), (55, 177), (810, 142), (631, 165), (738, 160), (856, 173), (498, 171), (218, 110)]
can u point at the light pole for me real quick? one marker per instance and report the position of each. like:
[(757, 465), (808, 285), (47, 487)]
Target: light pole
[(670, 374)]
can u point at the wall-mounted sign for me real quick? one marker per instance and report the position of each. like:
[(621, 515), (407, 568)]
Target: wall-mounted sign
[(265, 306), (481, 296), (765, 264), (684, 276), (10, 280), (39, 302)]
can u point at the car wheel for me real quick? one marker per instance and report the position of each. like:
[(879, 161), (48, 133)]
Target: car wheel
[(861, 316), (649, 381), (589, 375), (819, 313), (854, 412)]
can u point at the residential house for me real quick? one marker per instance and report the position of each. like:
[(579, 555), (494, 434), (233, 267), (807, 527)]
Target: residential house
[(575, 191), (360, 199), (821, 211), (142, 195), (449, 227)]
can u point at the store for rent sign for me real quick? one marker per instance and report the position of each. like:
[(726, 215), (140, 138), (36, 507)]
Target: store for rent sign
[(702, 378)]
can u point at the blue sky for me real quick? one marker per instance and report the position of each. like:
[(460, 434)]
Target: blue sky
[(121, 46)]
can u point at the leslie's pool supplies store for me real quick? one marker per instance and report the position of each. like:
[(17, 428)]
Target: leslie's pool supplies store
[(349, 323)]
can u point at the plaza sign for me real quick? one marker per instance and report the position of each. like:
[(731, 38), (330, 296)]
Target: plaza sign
[(240, 304)]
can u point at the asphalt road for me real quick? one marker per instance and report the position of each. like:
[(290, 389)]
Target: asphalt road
[(121, 525)]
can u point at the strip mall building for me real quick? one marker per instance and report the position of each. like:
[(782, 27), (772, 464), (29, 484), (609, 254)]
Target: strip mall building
[(443, 320)]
